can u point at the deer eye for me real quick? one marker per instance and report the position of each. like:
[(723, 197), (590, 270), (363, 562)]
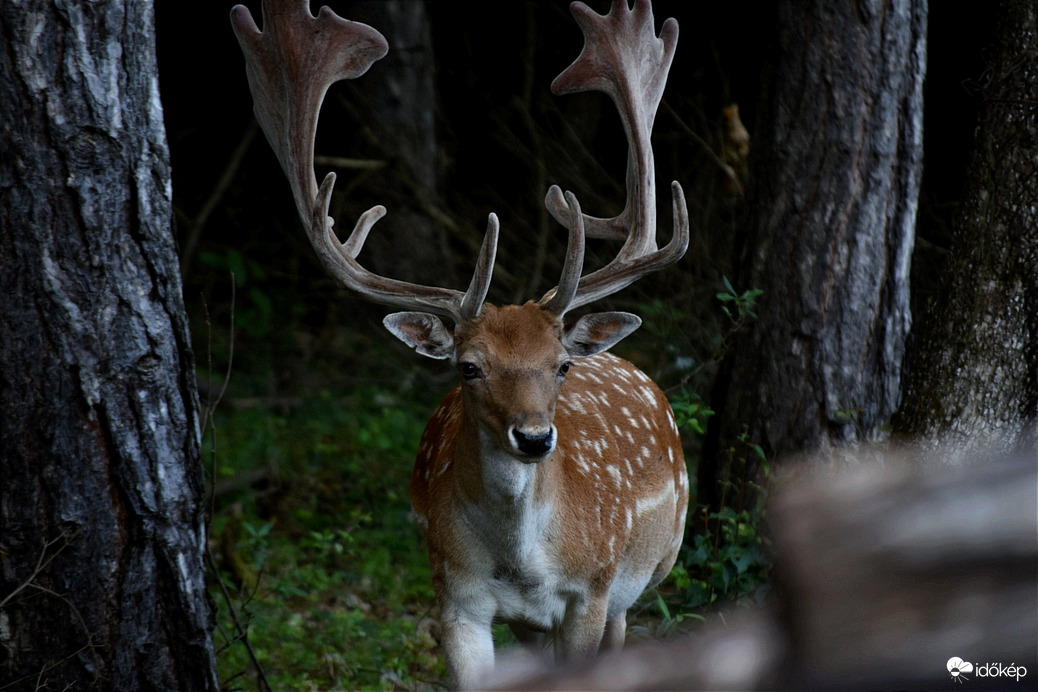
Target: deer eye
[(470, 371), (564, 369)]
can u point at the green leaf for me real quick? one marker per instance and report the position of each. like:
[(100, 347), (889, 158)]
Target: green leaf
[(699, 594), (663, 606)]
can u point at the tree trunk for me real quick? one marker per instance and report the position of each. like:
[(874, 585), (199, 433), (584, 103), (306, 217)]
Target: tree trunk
[(102, 582), (833, 189), (395, 105), (971, 379)]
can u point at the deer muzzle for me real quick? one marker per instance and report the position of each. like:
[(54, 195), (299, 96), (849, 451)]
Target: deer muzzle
[(533, 444)]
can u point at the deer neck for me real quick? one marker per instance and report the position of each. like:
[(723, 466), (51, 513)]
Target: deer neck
[(499, 491)]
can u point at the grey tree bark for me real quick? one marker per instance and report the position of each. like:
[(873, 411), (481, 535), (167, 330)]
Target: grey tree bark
[(833, 192), (971, 380), (102, 527)]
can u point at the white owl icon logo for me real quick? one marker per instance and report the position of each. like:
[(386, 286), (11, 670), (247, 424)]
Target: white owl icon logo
[(957, 667)]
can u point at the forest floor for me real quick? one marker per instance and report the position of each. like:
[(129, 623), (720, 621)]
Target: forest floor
[(320, 577)]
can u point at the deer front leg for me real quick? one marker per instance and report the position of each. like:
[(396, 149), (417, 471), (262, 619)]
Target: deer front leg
[(581, 633), (468, 646), (615, 633)]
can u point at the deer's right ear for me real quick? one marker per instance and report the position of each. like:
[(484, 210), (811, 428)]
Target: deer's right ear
[(423, 332)]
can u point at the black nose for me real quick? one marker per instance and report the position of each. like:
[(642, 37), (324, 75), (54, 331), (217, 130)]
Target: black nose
[(533, 445)]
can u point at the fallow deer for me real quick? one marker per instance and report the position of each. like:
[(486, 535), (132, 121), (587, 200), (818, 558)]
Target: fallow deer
[(551, 484)]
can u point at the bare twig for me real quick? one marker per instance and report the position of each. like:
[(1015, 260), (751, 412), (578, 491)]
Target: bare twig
[(210, 423), (39, 676), (242, 480), (79, 617), (691, 134), (243, 635), (349, 164), (41, 565), (226, 178), (715, 358), (230, 354)]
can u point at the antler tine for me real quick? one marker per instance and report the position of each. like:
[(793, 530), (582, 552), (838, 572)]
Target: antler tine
[(619, 274), (623, 58), (559, 299), (472, 303), (290, 65)]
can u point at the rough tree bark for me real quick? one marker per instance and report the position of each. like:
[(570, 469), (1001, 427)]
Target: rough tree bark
[(102, 582), (833, 191), (971, 380)]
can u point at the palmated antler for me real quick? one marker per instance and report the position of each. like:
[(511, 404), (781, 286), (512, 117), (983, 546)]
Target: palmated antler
[(623, 58), (290, 65)]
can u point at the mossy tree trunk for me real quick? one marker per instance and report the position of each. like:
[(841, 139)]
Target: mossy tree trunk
[(971, 379), (835, 173), (102, 530)]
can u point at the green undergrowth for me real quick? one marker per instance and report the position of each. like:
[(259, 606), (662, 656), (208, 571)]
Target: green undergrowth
[(326, 572), (725, 560), (324, 580)]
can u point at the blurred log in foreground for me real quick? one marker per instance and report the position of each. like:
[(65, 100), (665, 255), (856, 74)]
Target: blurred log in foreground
[(884, 571)]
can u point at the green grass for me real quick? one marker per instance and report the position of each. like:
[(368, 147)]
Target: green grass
[(326, 569)]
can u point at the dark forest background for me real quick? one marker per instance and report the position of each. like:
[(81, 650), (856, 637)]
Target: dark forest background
[(120, 525), (501, 139), (323, 407)]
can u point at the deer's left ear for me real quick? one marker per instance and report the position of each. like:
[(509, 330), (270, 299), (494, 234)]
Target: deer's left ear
[(423, 332), (597, 332)]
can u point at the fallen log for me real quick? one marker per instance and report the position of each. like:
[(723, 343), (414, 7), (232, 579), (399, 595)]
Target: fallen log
[(885, 571)]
